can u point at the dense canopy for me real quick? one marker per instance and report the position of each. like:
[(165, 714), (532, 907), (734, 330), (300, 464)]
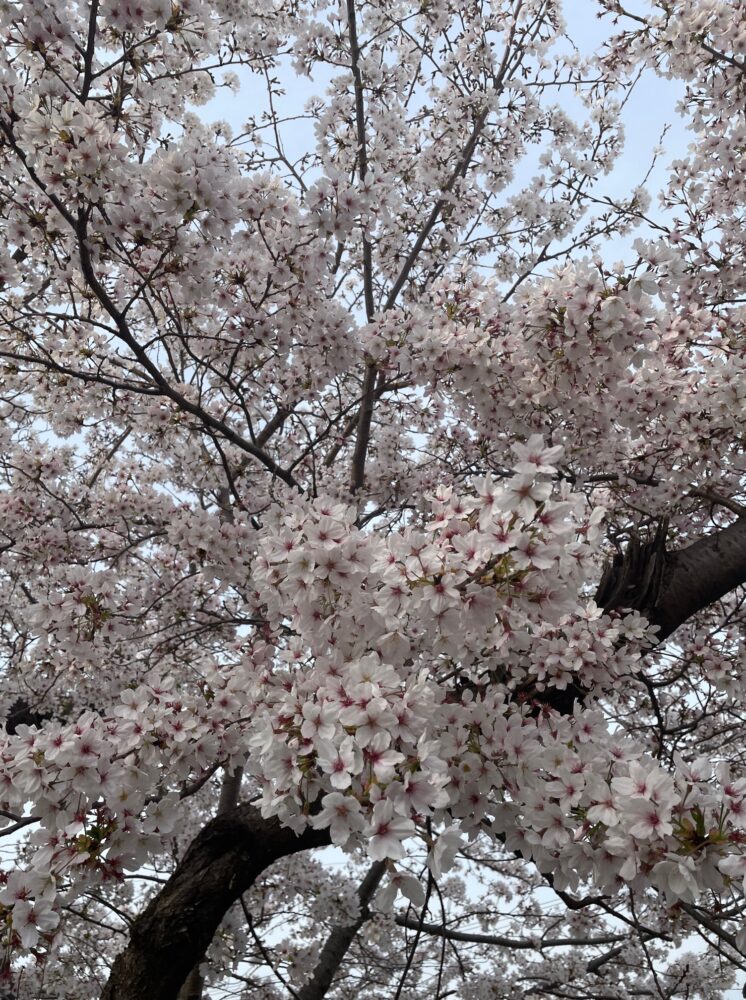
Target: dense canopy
[(352, 496)]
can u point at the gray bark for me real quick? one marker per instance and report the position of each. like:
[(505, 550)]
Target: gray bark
[(668, 588)]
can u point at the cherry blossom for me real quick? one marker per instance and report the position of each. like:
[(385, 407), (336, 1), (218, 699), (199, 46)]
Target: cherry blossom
[(354, 495)]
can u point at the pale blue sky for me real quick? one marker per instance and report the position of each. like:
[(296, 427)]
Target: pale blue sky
[(650, 108)]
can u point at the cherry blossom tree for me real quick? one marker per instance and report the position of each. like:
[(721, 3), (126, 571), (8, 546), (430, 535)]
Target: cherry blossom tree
[(353, 499)]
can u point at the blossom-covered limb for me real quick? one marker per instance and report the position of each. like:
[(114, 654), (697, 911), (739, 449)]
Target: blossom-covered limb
[(220, 864)]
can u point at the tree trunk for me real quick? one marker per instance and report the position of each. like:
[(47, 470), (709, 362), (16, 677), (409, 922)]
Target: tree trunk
[(192, 988), (230, 792), (176, 928)]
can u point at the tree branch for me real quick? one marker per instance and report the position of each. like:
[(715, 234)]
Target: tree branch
[(340, 939), (230, 791), (369, 393), (90, 50), (668, 588), (79, 226), (222, 862), (365, 414), (521, 944), (362, 150)]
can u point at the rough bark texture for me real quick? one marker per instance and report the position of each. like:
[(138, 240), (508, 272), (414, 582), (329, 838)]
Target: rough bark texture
[(669, 587), (633, 579), (699, 575), (174, 931), (230, 793), (192, 988), (666, 587)]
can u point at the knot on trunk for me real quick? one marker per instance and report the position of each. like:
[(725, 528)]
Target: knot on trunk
[(633, 579)]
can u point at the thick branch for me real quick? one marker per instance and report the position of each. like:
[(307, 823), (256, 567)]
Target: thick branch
[(223, 861), (230, 791), (192, 988), (699, 575), (90, 50), (362, 150), (364, 420), (369, 380), (668, 588), (340, 939)]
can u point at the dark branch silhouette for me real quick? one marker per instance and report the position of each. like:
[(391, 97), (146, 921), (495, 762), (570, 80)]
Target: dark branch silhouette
[(174, 931)]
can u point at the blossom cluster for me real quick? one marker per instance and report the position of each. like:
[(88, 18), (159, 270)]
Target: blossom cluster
[(285, 484), (417, 687), (85, 785)]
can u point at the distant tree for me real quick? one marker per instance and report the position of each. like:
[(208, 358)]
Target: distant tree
[(352, 497)]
